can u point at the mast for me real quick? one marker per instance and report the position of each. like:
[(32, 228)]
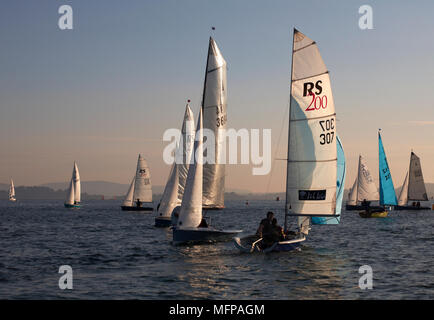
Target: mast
[(289, 129)]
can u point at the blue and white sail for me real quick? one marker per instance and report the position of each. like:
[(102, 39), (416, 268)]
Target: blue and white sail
[(387, 190), (312, 152), (340, 185)]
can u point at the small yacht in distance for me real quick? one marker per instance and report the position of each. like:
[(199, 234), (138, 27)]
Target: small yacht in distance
[(73, 196), (139, 195), (12, 192)]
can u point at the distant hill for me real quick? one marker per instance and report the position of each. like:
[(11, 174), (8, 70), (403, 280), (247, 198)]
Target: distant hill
[(43, 193), (108, 189)]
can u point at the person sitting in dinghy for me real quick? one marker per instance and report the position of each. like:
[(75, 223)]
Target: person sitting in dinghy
[(138, 203), (265, 225), (277, 231)]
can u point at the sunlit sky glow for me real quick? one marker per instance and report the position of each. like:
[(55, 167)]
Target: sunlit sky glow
[(107, 90)]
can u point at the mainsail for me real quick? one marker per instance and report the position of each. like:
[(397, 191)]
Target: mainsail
[(214, 119), (190, 214), (73, 196), (387, 190), (364, 187), (142, 185), (340, 185), (312, 153), (77, 184), (12, 191), (414, 186)]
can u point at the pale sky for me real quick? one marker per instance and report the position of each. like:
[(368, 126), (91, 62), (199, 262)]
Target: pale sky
[(108, 89)]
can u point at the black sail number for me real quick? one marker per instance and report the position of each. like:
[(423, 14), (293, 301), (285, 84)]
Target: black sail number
[(328, 134)]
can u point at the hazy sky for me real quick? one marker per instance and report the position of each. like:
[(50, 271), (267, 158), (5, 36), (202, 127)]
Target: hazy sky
[(107, 90)]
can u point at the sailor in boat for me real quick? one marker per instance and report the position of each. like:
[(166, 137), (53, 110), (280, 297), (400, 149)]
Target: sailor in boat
[(138, 203), (265, 225)]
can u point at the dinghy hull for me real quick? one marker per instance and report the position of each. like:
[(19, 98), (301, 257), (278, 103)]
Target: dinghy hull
[(138, 209), (71, 206), (377, 214), (349, 207), (410, 208), (163, 222), (202, 235), (252, 243)]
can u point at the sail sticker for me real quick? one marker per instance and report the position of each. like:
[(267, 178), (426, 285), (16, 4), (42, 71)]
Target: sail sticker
[(311, 194)]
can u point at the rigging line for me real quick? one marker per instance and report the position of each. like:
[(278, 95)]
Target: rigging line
[(277, 148)]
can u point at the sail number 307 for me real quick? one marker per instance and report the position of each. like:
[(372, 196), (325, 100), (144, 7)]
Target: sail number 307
[(328, 134)]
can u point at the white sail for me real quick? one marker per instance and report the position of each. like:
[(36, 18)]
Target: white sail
[(77, 184), (352, 195), (366, 188), (214, 118), (170, 196), (70, 194), (403, 195), (185, 152), (312, 153), (12, 191), (416, 184), (190, 214), (142, 186), (128, 201)]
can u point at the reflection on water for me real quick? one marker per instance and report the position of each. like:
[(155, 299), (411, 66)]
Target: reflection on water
[(118, 255)]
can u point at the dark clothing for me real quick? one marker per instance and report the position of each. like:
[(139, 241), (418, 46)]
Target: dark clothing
[(266, 226), (138, 203)]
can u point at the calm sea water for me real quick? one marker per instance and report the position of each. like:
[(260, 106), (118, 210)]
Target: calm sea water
[(119, 255)]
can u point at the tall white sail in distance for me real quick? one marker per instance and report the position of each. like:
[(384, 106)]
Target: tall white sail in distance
[(403, 195), (169, 200), (416, 184), (128, 201), (190, 214), (352, 195), (12, 191), (183, 155), (142, 185), (77, 183), (214, 118), (70, 195), (366, 188), (312, 153)]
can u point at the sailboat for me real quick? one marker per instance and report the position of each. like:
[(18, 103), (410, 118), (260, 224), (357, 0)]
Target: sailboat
[(387, 190), (12, 192), (214, 103), (174, 189), (413, 188), (139, 195), (191, 226), (364, 189), (311, 184), (73, 196)]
